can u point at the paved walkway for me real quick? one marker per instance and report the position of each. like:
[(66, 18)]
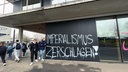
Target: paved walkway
[(62, 66)]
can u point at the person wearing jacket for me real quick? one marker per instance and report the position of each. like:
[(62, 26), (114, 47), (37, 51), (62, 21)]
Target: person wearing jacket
[(34, 50), (42, 45), (17, 47), (24, 48), (3, 50), (10, 50)]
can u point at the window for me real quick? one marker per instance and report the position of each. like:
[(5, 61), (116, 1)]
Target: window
[(108, 38)]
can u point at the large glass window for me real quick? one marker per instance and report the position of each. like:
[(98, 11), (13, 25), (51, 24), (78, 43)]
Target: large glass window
[(123, 30), (108, 39)]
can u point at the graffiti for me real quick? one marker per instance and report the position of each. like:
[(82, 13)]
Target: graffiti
[(83, 46), (123, 46), (66, 52), (69, 39)]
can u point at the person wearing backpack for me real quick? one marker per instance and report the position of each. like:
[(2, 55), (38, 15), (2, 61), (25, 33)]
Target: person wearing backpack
[(3, 50), (24, 48), (17, 47)]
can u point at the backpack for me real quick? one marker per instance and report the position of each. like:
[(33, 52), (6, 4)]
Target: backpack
[(9, 48), (23, 46), (18, 46)]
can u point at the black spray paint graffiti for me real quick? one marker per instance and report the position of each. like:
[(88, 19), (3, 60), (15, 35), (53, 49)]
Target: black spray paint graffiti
[(83, 46)]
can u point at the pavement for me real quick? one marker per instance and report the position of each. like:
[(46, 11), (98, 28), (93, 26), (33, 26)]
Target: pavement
[(62, 66)]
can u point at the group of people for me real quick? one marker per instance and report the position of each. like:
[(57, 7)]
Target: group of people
[(34, 46)]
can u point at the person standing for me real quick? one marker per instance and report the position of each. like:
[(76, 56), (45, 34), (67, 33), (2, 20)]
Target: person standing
[(17, 47), (3, 52), (42, 45), (34, 50)]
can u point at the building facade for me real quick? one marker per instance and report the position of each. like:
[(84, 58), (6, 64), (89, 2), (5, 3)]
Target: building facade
[(5, 34), (92, 30)]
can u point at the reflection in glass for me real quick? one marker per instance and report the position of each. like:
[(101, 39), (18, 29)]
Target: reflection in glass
[(123, 30), (108, 39)]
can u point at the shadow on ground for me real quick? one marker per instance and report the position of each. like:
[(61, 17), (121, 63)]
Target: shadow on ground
[(64, 68)]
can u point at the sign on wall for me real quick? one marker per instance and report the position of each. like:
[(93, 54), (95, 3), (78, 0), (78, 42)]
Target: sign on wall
[(72, 40)]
